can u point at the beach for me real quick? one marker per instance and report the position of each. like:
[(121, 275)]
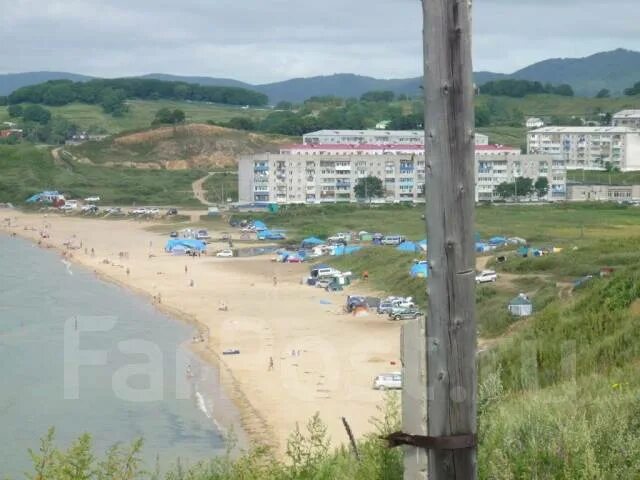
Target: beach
[(299, 353)]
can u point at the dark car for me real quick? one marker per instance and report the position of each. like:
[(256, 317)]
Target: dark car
[(172, 211), (173, 234)]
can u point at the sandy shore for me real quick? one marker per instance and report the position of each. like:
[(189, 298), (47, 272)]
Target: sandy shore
[(323, 360)]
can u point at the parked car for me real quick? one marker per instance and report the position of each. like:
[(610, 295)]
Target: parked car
[(392, 240), (388, 381), (202, 235), (486, 276), (138, 211), (153, 211), (172, 211), (409, 313), (324, 282), (89, 209), (92, 199), (225, 253), (67, 207), (114, 211), (173, 234)]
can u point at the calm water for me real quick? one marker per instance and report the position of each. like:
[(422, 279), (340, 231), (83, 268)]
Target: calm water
[(56, 322)]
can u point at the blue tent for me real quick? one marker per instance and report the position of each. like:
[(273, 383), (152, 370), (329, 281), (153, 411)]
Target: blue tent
[(258, 225), (419, 270), (423, 244), (270, 235), (497, 241), (408, 247), (345, 250), (312, 242), (184, 244), (482, 247)]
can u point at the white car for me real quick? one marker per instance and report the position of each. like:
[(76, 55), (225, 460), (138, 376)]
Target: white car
[(89, 207), (67, 207), (388, 381), (486, 276), (153, 211), (225, 253), (203, 235), (92, 199)]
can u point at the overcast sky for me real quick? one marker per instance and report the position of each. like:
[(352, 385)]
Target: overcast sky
[(269, 40)]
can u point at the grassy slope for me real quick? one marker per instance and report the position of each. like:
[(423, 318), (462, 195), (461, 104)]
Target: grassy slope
[(141, 114), (604, 178), (222, 186), (25, 170)]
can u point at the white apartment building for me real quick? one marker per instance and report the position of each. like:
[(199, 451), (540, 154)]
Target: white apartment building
[(373, 137), (626, 118), (493, 168), (588, 148), (304, 174)]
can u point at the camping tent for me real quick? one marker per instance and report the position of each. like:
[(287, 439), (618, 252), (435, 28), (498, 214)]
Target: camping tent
[(423, 245), (258, 225), (340, 250), (497, 241), (408, 247), (419, 270), (482, 247), (312, 242), (185, 244), (520, 306)]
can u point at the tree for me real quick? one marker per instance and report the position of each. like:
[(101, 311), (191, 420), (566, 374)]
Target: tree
[(505, 190), (483, 116), (241, 123), (541, 186), (15, 111), (523, 187), (4, 100), (368, 188), (36, 113), (378, 96), (604, 93), (635, 90), (165, 116), (283, 105)]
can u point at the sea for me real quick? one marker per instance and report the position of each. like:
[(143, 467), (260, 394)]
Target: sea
[(80, 355)]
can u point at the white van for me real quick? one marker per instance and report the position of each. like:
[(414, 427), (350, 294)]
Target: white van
[(388, 381), (392, 240)]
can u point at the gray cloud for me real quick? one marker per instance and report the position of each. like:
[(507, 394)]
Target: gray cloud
[(269, 40)]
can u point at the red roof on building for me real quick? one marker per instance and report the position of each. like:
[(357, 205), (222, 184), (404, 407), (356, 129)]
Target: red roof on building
[(363, 147)]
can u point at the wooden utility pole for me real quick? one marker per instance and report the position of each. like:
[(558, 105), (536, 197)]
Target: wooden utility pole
[(450, 324)]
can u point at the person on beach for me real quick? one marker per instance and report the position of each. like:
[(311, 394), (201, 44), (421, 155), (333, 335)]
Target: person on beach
[(270, 364), (128, 271), (191, 284), (93, 252), (186, 269), (365, 275), (275, 281)]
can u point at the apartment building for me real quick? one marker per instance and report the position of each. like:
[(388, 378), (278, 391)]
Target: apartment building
[(329, 173), (495, 168), (626, 118), (589, 148), (373, 137)]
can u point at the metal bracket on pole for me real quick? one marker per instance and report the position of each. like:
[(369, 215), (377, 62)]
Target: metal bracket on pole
[(453, 442)]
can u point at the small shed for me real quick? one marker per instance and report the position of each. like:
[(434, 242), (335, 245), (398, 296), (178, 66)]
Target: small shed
[(520, 306), (365, 236)]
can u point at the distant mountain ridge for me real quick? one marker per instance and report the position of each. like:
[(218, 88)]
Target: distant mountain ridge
[(614, 70)]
